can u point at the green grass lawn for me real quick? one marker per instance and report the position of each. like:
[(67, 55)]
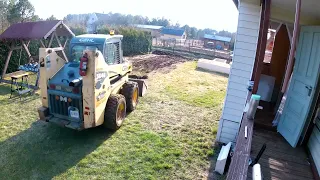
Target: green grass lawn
[(169, 136)]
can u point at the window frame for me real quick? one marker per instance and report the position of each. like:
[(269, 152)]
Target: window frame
[(72, 59), (116, 51)]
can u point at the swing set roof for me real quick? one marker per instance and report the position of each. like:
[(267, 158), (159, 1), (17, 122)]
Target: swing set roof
[(36, 30)]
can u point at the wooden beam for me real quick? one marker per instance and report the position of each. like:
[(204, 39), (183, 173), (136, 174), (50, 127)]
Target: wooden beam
[(278, 28), (293, 47), (59, 43), (258, 47), (6, 64), (238, 169), (289, 33), (58, 40), (58, 49), (26, 48), (42, 43), (263, 43), (51, 39), (28, 42), (65, 43)]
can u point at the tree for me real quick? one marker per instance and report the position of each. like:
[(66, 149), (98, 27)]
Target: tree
[(160, 22), (193, 32), (51, 18), (177, 25), (3, 15), (187, 30), (20, 11), (224, 33)]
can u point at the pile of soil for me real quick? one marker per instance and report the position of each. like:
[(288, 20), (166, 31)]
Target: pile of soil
[(153, 62)]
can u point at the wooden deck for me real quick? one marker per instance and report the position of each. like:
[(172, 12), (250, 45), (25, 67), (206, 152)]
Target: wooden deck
[(263, 118), (280, 160)]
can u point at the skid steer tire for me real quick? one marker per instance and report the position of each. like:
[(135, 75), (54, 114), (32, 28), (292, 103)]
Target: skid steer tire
[(130, 90), (115, 112)]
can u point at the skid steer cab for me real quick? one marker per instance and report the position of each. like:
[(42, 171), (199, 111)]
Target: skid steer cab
[(92, 88)]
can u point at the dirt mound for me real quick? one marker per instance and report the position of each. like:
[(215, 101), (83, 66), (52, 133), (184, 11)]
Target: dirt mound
[(152, 62)]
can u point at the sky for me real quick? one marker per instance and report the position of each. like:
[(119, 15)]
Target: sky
[(215, 14)]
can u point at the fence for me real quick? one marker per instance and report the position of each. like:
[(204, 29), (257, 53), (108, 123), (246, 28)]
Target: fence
[(192, 46)]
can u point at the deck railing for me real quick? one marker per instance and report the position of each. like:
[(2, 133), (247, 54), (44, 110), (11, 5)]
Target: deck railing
[(238, 169)]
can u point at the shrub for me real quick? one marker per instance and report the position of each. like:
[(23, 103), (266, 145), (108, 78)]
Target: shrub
[(134, 41)]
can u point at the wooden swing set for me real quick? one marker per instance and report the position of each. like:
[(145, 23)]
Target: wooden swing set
[(18, 37)]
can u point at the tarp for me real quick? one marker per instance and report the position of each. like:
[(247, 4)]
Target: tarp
[(217, 38)]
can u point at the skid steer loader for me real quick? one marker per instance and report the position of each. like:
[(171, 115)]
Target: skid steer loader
[(92, 88)]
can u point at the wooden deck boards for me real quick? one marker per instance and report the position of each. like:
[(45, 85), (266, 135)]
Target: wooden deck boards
[(280, 160), (238, 169), (263, 118)]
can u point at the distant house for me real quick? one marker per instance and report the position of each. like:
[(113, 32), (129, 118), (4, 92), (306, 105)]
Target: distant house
[(94, 20), (173, 34), (216, 42), (92, 23), (154, 30)]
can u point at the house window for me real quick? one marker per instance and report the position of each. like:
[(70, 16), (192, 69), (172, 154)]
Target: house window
[(112, 53)]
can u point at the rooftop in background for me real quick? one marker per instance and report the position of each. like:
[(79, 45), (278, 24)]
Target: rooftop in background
[(175, 32), (102, 16), (217, 38), (153, 27), (36, 30)]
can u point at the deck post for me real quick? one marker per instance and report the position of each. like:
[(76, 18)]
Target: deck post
[(293, 47), (51, 39), (264, 26)]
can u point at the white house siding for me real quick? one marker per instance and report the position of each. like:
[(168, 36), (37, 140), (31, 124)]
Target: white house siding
[(241, 70), (314, 145)]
